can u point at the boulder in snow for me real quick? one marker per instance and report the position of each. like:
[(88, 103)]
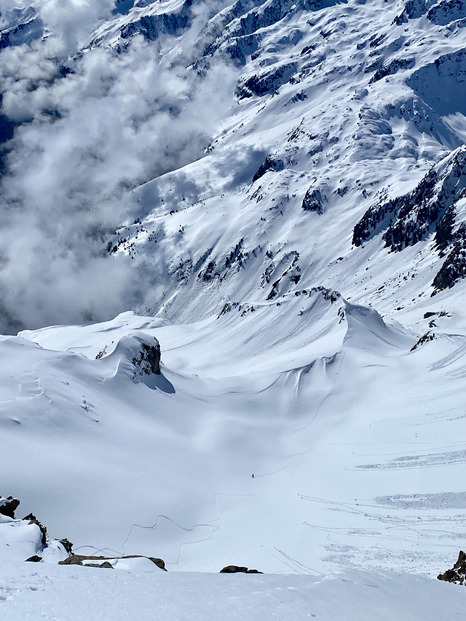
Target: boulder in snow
[(235, 569), (458, 572), (8, 506)]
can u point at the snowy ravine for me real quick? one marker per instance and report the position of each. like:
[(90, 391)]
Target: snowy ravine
[(275, 193)]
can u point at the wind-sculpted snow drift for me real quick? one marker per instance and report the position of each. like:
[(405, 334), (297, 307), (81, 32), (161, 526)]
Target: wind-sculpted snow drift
[(275, 193), (296, 391)]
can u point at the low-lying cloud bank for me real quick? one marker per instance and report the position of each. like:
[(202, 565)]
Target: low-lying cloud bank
[(90, 125)]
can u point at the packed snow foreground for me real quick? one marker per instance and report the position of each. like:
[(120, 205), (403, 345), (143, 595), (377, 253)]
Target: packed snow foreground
[(270, 200)]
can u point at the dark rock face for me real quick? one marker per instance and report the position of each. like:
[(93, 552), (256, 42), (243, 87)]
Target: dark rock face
[(239, 32), (458, 573), (289, 278), (219, 269), (8, 506), (67, 545), (442, 13), (444, 233), (425, 338), (264, 16), (430, 209), (235, 569), (240, 36), (31, 518), (394, 216), (317, 5), (77, 559), (313, 201), (266, 82), (148, 360), (158, 561), (104, 565), (454, 267), (28, 28), (412, 10), (449, 73), (209, 273), (104, 561), (34, 559), (152, 26), (392, 68), (270, 163)]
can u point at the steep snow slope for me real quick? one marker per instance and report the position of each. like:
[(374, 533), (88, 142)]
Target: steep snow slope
[(335, 111), (263, 132)]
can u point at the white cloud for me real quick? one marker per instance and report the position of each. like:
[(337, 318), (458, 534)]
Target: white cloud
[(73, 20), (115, 122)]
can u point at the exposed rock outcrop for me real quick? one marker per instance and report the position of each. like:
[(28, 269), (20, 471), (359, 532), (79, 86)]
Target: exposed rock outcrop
[(412, 10), (267, 81), (67, 545), (26, 28), (399, 64), (453, 268), (448, 11), (458, 572), (425, 338), (271, 163), (31, 531), (8, 506), (148, 359), (441, 13), (106, 561), (31, 518), (236, 569), (448, 73), (50, 550), (432, 208), (313, 201)]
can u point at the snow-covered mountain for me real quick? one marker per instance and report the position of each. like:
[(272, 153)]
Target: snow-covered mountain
[(225, 153), (276, 192)]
